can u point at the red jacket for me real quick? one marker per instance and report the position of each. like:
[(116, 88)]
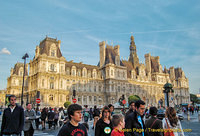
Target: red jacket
[(117, 132)]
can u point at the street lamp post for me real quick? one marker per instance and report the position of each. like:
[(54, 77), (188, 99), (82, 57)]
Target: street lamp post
[(167, 89), (24, 57)]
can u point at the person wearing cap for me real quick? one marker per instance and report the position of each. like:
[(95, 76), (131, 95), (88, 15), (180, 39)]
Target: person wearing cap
[(154, 123)]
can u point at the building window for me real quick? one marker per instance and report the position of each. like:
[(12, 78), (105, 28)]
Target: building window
[(95, 98), (94, 74), (51, 97), (111, 72), (52, 67), (51, 85), (90, 98), (21, 73), (73, 72), (79, 73), (67, 98), (95, 89), (118, 88), (53, 53)]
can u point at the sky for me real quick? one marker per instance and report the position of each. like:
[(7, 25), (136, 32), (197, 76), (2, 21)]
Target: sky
[(169, 29)]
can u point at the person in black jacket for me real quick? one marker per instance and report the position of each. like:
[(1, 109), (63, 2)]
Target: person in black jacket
[(43, 117), (134, 124), (131, 108), (51, 116), (104, 124), (73, 127), (13, 118), (153, 123)]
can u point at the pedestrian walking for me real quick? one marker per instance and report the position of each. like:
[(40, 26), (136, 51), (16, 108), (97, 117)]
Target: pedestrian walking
[(38, 115), (96, 115), (134, 122), (91, 113), (12, 119), (104, 124), (61, 117), (73, 127), (171, 122), (43, 117), (118, 125), (86, 116), (56, 116), (51, 115), (30, 116), (131, 108), (153, 123)]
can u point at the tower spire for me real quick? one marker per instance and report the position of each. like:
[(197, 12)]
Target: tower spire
[(133, 58)]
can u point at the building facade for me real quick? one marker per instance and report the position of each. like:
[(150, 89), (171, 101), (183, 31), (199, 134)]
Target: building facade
[(52, 78)]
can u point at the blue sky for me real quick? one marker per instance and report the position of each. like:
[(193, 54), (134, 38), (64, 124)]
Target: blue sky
[(169, 29)]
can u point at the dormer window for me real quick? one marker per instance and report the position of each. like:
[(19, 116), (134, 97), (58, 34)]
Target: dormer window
[(53, 53)]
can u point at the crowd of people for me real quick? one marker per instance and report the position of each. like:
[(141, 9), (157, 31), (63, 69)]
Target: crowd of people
[(105, 122)]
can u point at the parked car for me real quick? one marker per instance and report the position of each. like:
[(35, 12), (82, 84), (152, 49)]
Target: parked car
[(180, 116)]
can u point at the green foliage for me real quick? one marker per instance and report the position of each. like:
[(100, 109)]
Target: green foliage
[(194, 98), (66, 104), (133, 98)]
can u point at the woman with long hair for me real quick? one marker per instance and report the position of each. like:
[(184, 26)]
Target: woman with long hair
[(171, 123), (104, 124), (43, 117)]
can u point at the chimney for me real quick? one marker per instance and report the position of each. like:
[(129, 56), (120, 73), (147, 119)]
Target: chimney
[(148, 62), (116, 50), (102, 52), (172, 73)]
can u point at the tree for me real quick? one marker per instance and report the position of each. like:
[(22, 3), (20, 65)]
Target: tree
[(193, 98), (66, 104), (133, 98)]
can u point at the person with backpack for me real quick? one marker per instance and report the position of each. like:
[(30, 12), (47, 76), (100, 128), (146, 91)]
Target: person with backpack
[(96, 115), (153, 123)]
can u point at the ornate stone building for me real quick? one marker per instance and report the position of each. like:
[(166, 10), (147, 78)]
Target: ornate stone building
[(52, 78)]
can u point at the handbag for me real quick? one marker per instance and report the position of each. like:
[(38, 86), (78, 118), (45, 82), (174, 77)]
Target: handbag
[(168, 132)]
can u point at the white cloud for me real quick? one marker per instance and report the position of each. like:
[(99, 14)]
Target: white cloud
[(5, 51)]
